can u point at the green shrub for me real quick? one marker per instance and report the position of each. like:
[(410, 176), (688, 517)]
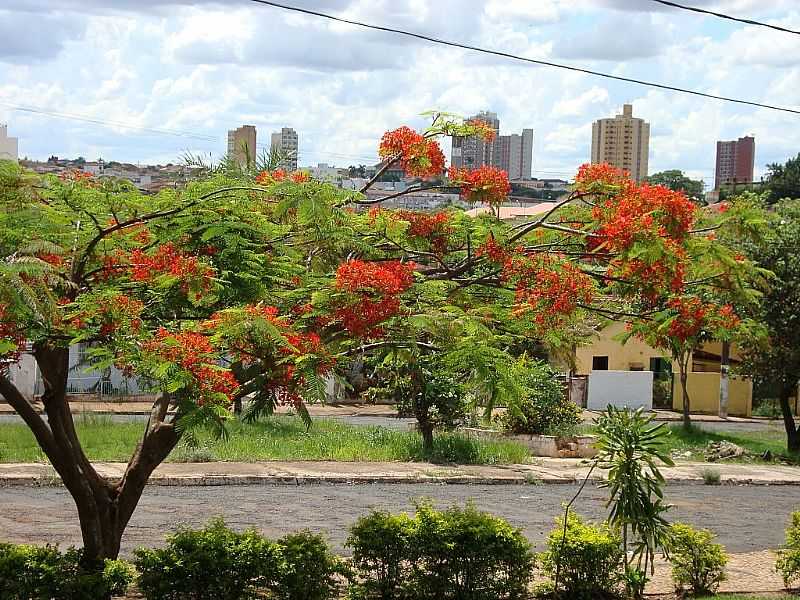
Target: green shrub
[(544, 407), (380, 543), (464, 554), (214, 563), (698, 564), (309, 570), (788, 564), (44, 572), (711, 477), (590, 556), (456, 554)]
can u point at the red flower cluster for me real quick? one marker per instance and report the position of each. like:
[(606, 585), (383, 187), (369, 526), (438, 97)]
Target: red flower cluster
[(75, 175), (9, 333), (283, 379), (419, 157), (485, 184), (482, 129), (433, 227), (168, 260), (650, 279), (592, 175), (692, 316), (689, 318), (495, 252), (278, 175), (374, 289), (632, 213), (119, 312), (193, 353), (55, 260), (551, 288)]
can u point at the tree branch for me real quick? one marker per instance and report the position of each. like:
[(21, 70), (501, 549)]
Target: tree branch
[(408, 190), (80, 265), (389, 163)]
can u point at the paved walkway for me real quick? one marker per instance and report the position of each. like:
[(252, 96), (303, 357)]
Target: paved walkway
[(541, 470), (143, 407), (735, 513)]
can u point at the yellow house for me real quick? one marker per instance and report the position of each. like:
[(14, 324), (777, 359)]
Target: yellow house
[(606, 353)]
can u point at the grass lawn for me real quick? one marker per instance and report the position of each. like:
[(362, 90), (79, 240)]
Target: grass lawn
[(695, 440), (748, 597), (276, 438)]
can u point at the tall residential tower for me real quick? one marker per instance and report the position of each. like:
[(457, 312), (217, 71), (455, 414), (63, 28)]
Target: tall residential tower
[(285, 142), (242, 145), (512, 153), (623, 142), (735, 161)]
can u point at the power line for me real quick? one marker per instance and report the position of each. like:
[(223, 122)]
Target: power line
[(522, 58), (724, 16), (106, 122)]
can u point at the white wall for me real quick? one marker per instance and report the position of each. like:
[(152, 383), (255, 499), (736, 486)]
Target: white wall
[(23, 375), (630, 389)]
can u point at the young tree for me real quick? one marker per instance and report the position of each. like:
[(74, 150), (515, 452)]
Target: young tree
[(678, 182), (255, 286), (775, 359)]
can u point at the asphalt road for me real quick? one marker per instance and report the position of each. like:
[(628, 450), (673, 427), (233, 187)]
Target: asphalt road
[(745, 518)]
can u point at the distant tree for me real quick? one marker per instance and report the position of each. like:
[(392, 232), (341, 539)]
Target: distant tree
[(777, 360), (359, 171), (678, 182), (390, 176), (783, 180)]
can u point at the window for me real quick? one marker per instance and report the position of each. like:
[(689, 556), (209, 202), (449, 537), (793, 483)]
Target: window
[(599, 363), (661, 367)]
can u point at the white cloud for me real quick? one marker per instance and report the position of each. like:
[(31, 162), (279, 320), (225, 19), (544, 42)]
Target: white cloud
[(206, 66)]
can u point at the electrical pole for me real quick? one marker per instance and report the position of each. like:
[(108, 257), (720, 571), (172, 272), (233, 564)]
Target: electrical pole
[(724, 367)]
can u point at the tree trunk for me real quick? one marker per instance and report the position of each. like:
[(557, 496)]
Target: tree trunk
[(792, 431), (683, 366), (427, 437), (104, 508), (724, 368)]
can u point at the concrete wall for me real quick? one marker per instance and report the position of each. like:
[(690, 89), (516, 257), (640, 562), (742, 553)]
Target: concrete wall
[(23, 375), (704, 394), (633, 389), (620, 357)]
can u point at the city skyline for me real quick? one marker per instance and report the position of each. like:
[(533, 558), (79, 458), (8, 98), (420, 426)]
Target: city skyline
[(201, 69)]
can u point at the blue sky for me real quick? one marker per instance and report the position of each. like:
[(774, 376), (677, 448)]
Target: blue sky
[(207, 66)]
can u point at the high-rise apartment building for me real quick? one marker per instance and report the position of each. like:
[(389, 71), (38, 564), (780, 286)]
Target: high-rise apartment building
[(473, 152), (513, 153), (735, 161), (9, 149), (623, 142), (242, 145), (285, 142)]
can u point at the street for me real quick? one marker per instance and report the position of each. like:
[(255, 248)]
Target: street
[(747, 518)]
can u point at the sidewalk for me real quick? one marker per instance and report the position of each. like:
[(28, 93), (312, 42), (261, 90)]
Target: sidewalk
[(542, 470), (142, 407)]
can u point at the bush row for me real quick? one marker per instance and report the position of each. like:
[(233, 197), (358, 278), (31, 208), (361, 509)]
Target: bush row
[(457, 553)]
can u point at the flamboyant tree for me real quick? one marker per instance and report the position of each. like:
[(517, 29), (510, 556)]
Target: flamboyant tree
[(257, 286)]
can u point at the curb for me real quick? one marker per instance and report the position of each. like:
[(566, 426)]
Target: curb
[(301, 480)]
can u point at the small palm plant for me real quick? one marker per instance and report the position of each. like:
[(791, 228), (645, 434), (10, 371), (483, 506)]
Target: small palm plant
[(631, 450)]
